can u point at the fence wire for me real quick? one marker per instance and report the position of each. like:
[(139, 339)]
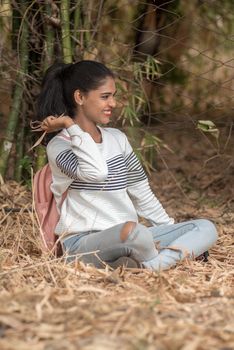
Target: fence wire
[(173, 59)]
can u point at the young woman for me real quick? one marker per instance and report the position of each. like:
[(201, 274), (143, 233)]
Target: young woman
[(107, 186)]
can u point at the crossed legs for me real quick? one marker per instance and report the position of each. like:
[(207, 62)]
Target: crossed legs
[(133, 240)]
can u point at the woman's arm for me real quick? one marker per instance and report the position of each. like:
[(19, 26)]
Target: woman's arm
[(147, 205), (78, 159), (144, 200)]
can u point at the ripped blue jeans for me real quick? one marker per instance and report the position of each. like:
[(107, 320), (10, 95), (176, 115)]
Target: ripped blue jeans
[(156, 248)]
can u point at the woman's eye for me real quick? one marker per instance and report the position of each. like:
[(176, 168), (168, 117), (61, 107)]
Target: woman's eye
[(105, 97)]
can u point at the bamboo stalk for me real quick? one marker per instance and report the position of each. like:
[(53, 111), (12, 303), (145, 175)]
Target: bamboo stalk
[(40, 151), (5, 22), (8, 139), (65, 25), (41, 157), (77, 19), (88, 21), (49, 40), (19, 152), (76, 29)]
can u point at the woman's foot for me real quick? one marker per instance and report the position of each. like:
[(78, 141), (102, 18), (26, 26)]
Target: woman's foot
[(126, 262), (203, 256)]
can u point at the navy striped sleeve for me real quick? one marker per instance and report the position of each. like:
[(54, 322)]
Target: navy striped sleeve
[(67, 162), (135, 170)]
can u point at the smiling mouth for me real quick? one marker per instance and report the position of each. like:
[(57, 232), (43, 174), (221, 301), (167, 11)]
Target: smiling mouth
[(108, 113)]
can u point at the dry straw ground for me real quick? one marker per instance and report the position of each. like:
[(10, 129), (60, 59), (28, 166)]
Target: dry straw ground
[(48, 305)]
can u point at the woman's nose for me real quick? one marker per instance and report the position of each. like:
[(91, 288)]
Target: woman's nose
[(112, 102)]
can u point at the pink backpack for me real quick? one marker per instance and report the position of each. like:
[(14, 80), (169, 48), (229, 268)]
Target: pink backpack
[(46, 209)]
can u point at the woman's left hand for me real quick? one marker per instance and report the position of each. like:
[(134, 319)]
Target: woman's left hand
[(52, 124)]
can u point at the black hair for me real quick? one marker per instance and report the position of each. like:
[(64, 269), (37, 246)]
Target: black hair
[(61, 81)]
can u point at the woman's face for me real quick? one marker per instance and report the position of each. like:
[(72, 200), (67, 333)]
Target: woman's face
[(97, 105)]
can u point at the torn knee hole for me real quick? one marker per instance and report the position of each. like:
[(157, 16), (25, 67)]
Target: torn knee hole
[(127, 230)]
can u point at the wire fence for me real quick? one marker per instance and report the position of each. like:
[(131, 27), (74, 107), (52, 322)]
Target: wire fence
[(173, 60)]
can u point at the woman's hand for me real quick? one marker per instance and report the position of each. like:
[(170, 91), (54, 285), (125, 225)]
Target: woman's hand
[(52, 124)]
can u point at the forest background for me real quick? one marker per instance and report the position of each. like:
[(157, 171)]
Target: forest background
[(173, 62)]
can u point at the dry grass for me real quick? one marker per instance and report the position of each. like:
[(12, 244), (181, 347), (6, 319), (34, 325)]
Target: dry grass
[(46, 304)]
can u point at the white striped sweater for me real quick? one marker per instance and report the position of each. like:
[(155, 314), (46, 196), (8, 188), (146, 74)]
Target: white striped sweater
[(106, 182)]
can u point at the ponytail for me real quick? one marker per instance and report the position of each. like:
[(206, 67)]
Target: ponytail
[(51, 99)]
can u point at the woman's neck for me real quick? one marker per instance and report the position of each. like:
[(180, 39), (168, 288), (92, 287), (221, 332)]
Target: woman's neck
[(90, 127)]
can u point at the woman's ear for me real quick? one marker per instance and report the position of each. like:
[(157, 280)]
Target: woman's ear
[(78, 97)]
